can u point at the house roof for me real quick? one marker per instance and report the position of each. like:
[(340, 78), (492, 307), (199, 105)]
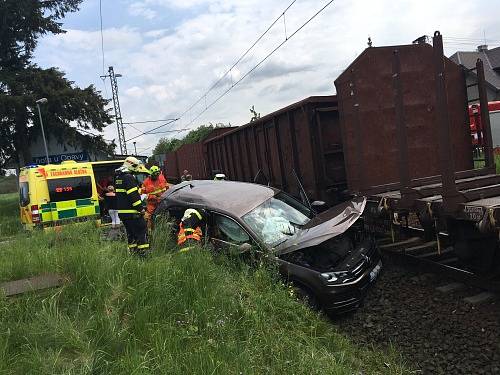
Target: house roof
[(491, 62)]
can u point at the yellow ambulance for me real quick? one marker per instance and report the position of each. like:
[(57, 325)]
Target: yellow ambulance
[(57, 194)]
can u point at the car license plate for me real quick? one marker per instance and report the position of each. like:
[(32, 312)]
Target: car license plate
[(375, 272)]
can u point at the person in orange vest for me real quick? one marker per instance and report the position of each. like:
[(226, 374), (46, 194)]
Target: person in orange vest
[(154, 186), (190, 232)]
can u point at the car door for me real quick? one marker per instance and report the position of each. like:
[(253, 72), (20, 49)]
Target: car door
[(227, 234)]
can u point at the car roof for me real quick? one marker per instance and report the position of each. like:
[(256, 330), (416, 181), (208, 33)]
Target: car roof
[(236, 198)]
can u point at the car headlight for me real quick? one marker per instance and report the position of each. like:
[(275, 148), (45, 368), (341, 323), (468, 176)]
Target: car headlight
[(329, 276), (333, 276)]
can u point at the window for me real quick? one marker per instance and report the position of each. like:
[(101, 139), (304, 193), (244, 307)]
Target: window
[(24, 194), (66, 189), (230, 231), (277, 219)]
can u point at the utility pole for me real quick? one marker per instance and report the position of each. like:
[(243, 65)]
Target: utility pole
[(118, 114)]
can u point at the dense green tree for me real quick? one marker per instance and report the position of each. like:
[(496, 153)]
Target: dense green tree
[(69, 108), (171, 144)]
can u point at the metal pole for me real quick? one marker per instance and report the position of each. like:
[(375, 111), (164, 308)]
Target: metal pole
[(450, 194), (135, 148), (43, 135)]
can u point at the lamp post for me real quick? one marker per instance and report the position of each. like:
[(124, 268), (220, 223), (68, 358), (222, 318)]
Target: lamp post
[(38, 102), (135, 148)]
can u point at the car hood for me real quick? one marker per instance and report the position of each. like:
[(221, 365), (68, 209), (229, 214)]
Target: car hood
[(324, 226)]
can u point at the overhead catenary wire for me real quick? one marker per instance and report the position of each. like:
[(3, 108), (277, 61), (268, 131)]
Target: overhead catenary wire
[(246, 74), (151, 130), (214, 85), (102, 49), (260, 62), (147, 121)]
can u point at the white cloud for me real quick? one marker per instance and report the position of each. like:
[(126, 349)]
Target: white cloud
[(141, 9), (165, 70), (134, 92)]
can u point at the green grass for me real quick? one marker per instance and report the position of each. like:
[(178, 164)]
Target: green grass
[(8, 184), (174, 313), (9, 215), (479, 162)]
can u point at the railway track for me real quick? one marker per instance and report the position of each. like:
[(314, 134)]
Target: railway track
[(429, 257)]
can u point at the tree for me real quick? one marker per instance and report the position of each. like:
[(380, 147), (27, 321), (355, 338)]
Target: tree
[(255, 115), (196, 135), (22, 83)]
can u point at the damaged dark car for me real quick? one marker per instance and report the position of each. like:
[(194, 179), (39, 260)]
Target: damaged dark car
[(327, 257)]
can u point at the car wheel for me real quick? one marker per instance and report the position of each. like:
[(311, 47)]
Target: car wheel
[(306, 296)]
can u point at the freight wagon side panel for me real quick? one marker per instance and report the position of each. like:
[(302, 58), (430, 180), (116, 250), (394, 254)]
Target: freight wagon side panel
[(171, 168), (295, 138), (191, 157), (370, 137)]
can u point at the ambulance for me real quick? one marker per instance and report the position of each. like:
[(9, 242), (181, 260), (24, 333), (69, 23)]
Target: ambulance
[(57, 194)]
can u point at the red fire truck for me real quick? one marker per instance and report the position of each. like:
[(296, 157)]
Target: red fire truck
[(476, 126)]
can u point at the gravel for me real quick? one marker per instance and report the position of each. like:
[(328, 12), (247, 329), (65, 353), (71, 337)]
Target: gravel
[(437, 333)]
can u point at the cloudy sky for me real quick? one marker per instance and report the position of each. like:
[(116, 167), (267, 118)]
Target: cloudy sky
[(170, 52)]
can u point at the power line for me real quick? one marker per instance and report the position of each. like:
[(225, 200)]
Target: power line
[(261, 62), (102, 50), (239, 59), (145, 122), (102, 38), (151, 130), (287, 38)]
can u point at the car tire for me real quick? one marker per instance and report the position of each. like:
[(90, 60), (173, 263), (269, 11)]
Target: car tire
[(306, 296)]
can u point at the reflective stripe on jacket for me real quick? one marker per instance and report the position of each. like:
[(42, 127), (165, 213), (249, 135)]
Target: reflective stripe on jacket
[(188, 233), (154, 187), (128, 200)]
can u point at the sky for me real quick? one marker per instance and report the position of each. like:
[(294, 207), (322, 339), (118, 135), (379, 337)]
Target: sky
[(171, 52)]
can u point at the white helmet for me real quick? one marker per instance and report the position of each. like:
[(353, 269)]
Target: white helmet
[(133, 164), (220, 177)]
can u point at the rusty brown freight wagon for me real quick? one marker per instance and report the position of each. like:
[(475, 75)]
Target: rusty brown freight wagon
[(367, 98), (303, 137), (190, 157)]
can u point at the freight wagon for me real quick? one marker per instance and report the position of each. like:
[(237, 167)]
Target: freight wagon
[(301, 140), (398, 132), (189, 157)]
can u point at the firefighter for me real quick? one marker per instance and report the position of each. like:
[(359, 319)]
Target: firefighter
[(154, 186), (186, 176), (129, 205), (190, 232)]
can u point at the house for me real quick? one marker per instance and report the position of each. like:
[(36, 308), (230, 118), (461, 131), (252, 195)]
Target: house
[(62, 151), (491, 63)]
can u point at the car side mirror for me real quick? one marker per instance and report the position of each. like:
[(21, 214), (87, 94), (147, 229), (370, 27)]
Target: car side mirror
[(244, 247)]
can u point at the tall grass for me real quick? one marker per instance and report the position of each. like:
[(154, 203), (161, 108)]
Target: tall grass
[(9, 215), (174, 313)]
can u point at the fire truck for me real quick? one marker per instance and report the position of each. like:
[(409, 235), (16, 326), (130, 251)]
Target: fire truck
[(476, 127)]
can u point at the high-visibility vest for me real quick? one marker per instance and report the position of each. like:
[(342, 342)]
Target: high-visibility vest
[(185, 233), (154, 188)]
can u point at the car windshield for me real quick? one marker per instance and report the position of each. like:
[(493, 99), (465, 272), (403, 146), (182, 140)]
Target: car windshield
[(276, 220)]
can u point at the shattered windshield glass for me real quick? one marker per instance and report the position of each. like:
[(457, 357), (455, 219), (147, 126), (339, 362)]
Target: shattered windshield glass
[(274, 221)]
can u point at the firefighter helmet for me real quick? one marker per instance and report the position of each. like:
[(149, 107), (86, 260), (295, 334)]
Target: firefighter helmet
[(154, 171), (134, 165)]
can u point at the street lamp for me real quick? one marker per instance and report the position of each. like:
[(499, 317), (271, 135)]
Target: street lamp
[(135, 148), (38, 102)]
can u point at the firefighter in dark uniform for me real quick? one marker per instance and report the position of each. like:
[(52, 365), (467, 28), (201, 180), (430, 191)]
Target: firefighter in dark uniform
[(129, 205)]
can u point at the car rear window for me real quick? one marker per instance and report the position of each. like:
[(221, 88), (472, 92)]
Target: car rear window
[(66, 189)]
